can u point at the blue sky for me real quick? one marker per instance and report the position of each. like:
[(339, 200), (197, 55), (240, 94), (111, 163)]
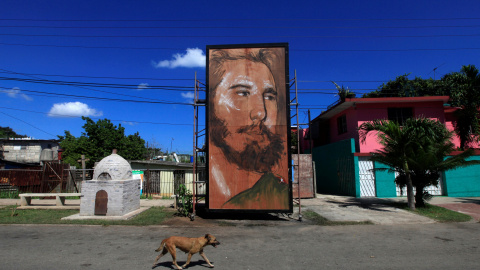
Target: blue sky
[(147, 52)]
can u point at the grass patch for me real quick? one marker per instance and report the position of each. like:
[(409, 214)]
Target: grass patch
[(152, 216), (321, 221), (143, 196), (9, 195), (437, 213)]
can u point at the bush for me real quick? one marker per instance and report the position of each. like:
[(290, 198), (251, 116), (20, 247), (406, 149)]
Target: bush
[(185, 203)]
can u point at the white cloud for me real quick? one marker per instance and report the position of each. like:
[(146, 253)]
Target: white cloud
[(69, 109), (129, 123), (17, 93), (194, 57), (188, 96), (142, 86)]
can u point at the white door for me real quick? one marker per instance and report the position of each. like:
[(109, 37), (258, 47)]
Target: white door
[(367, 177)]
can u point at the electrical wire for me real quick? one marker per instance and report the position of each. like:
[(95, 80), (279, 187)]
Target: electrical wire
[(237, 27), (291, 50), (100, 98), (238, 36), (71, 116), (28, 124), (90, 89), (90, 77), (109, 85), (238, 19)]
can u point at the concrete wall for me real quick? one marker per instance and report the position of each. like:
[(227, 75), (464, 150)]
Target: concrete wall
[(306, 176), (123, 196), (26, 151)]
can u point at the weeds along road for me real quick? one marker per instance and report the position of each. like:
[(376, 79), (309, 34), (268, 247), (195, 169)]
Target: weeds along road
[(425, 246)]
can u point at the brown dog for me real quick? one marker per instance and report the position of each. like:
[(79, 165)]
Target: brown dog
[(187, 245)]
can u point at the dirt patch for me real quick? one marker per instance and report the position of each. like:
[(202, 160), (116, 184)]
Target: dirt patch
[(471, 209), (186, 221), (204, 218)]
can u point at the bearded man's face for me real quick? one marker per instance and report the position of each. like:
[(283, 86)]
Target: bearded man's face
[(245, 114)]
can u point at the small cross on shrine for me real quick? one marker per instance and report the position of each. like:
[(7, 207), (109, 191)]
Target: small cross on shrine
[(83, 166)]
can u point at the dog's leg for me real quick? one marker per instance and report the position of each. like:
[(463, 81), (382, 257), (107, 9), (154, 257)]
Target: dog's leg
[(206, 259), (188, 260), (164, 251), (173, 252)]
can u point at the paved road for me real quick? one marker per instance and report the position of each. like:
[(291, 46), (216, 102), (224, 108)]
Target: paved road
[(293, 246)]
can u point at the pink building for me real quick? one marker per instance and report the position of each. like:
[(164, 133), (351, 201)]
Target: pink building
[(343, 163), (342, 121)]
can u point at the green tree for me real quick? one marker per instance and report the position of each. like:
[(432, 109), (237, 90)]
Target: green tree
[(464, 90), (404, 87), (403, 145), (7, 132), (98, 140)]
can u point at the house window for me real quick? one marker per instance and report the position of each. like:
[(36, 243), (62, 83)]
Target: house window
[(400, 114), (342, 124)]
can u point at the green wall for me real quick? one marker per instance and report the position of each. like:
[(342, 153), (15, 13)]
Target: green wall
[(384, 182), (463, 182), (337, 168)]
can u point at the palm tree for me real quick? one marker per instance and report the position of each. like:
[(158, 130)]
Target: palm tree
[(464, 89), (429, 161), (405, 144)]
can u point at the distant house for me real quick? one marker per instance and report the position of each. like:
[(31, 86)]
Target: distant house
[(343, 163), (164, 177), (28, 151)]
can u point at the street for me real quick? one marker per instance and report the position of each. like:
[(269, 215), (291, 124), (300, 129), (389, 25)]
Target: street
[(294, 246)]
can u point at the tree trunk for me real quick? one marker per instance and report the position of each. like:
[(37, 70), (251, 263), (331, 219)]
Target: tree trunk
[(419, 202), (410, 196)]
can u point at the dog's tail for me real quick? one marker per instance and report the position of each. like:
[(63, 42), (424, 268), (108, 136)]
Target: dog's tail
[(162, 245)]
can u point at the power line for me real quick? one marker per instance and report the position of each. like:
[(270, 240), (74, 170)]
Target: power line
[(109, 85), (92, 77), (71, 116), (90, 89), (237, 19), (100, 98), (291, 50), (238, 36), (28, 124), (238, 27)]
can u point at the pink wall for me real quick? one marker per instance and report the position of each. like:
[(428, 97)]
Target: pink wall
[(449, 123), (366, 112)]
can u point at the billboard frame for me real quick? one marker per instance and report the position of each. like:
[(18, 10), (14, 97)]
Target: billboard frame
[(288, 126)]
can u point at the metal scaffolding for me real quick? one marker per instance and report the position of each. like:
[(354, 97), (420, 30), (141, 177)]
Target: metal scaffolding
[(197, 102), (294, 102)]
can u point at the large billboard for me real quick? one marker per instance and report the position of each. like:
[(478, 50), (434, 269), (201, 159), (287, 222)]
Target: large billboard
[(248, 128)]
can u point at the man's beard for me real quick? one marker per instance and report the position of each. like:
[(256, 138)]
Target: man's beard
[(253, 157)]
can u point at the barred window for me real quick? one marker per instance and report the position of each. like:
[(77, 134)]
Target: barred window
[(342, 124), (400, 115)]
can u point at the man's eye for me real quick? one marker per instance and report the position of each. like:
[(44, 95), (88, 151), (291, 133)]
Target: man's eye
[(270, 97), (243, 93)]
